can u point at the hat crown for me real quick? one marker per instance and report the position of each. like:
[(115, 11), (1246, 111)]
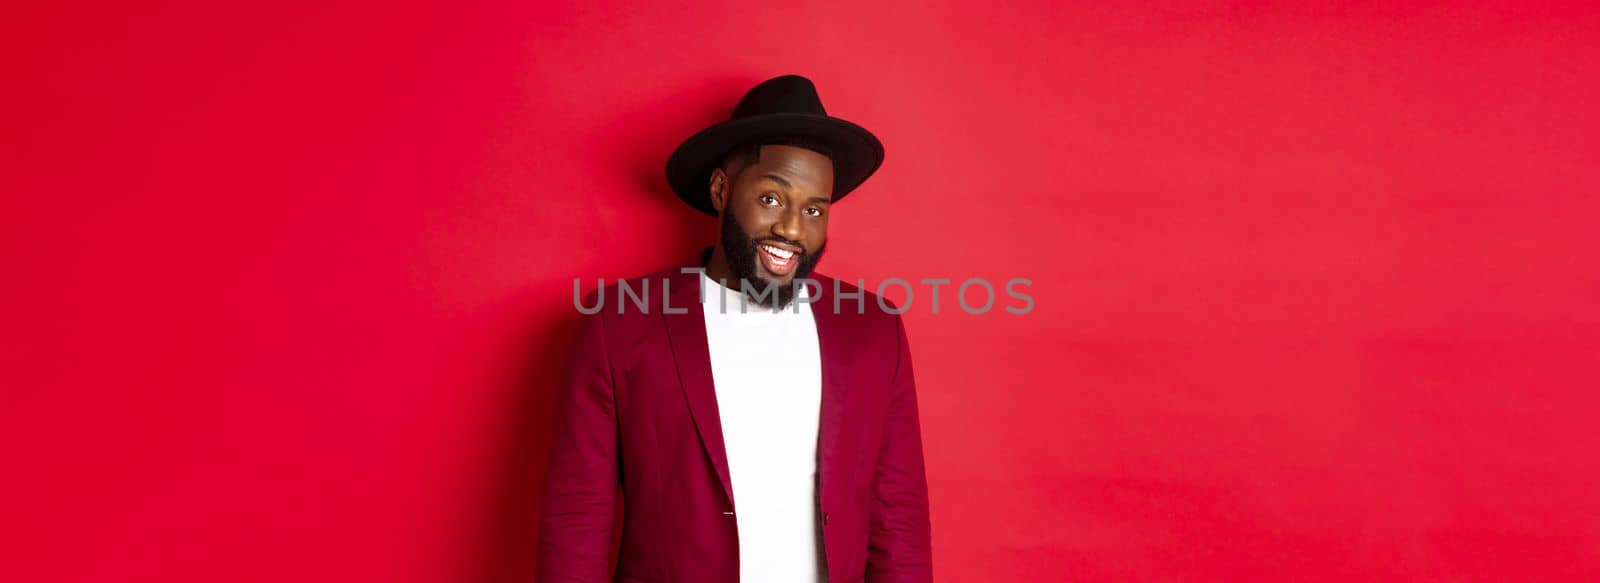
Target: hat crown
[(786, 94)]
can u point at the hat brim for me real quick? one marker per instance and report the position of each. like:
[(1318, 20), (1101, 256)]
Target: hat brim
[(857, 153)]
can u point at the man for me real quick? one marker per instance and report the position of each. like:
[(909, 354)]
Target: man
[(761, 421)]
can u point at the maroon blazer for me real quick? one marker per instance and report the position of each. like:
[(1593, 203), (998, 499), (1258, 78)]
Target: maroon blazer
[(636, 408)]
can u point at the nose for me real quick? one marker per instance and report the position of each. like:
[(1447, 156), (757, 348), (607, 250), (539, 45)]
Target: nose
[(790, 226)]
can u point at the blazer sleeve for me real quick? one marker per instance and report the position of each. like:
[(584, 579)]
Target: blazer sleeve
[(899, 547), (581, 481)]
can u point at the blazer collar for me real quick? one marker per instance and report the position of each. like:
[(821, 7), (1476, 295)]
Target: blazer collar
[(687, 334)]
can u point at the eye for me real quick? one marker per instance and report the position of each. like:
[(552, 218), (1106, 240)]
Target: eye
[(814, 211), (767, 199)]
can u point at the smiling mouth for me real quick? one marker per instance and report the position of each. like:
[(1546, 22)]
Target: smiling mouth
[(778, 260)]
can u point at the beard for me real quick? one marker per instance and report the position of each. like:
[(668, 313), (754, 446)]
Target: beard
[(741, 252)]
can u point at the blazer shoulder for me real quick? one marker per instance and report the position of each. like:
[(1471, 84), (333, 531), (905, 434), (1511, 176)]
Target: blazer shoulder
[(857, 304), (636, 298)]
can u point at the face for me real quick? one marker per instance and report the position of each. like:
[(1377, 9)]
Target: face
[(774, 217)]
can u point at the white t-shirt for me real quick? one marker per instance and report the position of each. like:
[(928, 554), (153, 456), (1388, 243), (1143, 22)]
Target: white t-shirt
[(767, 370)]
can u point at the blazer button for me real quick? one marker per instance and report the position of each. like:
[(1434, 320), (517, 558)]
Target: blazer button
[(824, 518)]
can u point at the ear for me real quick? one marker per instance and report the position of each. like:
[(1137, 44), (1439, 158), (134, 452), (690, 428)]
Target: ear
[(720, 189)]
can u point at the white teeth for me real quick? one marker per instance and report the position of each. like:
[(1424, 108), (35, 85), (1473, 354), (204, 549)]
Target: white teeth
[(781, 253)]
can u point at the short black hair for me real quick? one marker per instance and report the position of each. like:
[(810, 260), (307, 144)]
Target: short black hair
[(750, 152)]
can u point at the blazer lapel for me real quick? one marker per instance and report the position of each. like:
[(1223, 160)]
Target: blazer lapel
[(687, 332), (832, 342)]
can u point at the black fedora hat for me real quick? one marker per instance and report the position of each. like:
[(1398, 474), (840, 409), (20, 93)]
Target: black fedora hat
[(781, 106)]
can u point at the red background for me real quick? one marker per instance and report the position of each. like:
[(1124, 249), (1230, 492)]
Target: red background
[(287, 284)]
